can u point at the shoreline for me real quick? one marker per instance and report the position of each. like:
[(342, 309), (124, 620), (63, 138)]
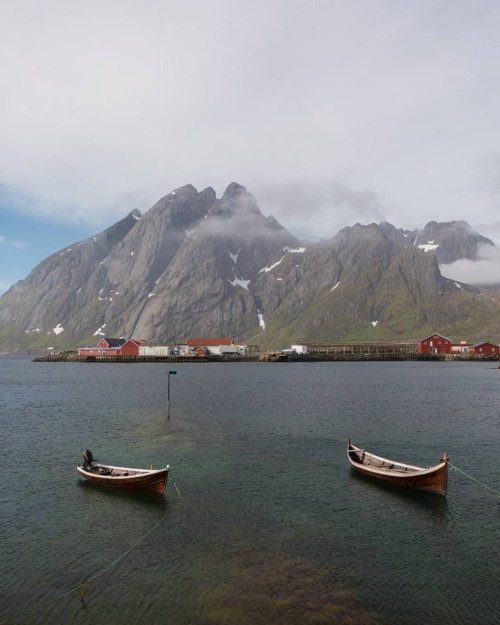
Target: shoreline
[(270, 357)]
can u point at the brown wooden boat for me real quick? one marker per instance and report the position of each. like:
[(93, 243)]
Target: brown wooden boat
[(433, 479), (153, 480)]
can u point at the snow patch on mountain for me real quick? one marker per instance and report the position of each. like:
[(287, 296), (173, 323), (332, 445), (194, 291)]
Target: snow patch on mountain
[(266, 269), (430, 246), (239, 282), (260, 317), (234, 257)]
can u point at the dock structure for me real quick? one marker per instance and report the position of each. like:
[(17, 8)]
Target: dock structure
[(303, 352), (131, 359), (365, 351)]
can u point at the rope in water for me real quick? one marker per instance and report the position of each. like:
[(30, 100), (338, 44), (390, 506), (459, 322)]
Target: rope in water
[(175, 486), (497, 493), (85, 584), (83, 587)]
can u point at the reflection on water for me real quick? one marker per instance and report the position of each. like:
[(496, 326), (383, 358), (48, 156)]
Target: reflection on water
[(273, 525), (95, 494), (436, 505)]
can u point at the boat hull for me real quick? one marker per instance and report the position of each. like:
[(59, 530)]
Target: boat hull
[(154, 481), (432, 480)]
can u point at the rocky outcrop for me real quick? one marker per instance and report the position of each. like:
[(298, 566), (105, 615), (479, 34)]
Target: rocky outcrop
[(451, 241)]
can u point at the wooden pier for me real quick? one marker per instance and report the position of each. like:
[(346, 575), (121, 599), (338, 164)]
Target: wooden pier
[(137, 359)]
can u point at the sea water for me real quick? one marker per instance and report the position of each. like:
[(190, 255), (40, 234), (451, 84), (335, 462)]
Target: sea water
[(263, 521)]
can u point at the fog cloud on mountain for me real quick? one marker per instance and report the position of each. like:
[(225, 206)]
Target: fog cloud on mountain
[(484, 271), (318, 211)]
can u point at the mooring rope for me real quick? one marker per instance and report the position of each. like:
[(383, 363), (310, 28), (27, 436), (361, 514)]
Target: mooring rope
[(83, 587), (497, 493), (178, 492)]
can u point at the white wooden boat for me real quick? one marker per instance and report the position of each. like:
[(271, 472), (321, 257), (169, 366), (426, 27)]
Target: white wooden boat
[(154, 480), (432, 479)]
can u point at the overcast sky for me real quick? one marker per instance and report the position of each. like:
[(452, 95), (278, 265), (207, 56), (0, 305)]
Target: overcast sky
[(329, 112)]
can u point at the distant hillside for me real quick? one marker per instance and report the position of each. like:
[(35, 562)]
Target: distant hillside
[(195, 265)]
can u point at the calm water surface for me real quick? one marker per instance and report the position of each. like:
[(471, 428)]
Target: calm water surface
[(269, 524)]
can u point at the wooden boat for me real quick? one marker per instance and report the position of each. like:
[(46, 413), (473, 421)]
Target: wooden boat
[(153, 480), (433, 479)]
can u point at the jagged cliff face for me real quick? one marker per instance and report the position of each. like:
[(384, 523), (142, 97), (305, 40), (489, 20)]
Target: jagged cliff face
[(195, 265), (366, 283), (207, 289)]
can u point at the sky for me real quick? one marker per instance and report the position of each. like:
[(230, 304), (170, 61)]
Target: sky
[(329, 112)]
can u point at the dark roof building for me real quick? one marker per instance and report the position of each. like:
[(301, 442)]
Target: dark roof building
[(484, 349), (111, 342)]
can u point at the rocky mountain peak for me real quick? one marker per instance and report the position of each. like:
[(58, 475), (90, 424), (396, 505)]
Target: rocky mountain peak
[(450, 241), (134, 214), (233, 190), (236, 200)]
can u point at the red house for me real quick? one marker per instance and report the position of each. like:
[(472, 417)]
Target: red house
[(131, 347), (484, 349), (115, 343), (113, 347), (434, 344), (203, 347)]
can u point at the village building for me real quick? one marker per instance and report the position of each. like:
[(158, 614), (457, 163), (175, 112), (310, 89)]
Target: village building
[(109, 347), (295, 349), (216, 347), (154, 350), (434, 344), (113, 343), (461, 348), (484, 349)]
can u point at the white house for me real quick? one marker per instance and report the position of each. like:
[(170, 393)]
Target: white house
[(154, 350)]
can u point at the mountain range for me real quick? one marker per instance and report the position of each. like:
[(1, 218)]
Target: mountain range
[(195, 265)]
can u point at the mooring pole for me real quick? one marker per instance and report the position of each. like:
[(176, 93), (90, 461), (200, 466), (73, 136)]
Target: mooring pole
[(168, 391)]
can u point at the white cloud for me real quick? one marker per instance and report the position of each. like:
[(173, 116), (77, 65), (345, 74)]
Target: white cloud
[(20, 245), (317, 210), (485, 270), (393, 105)]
